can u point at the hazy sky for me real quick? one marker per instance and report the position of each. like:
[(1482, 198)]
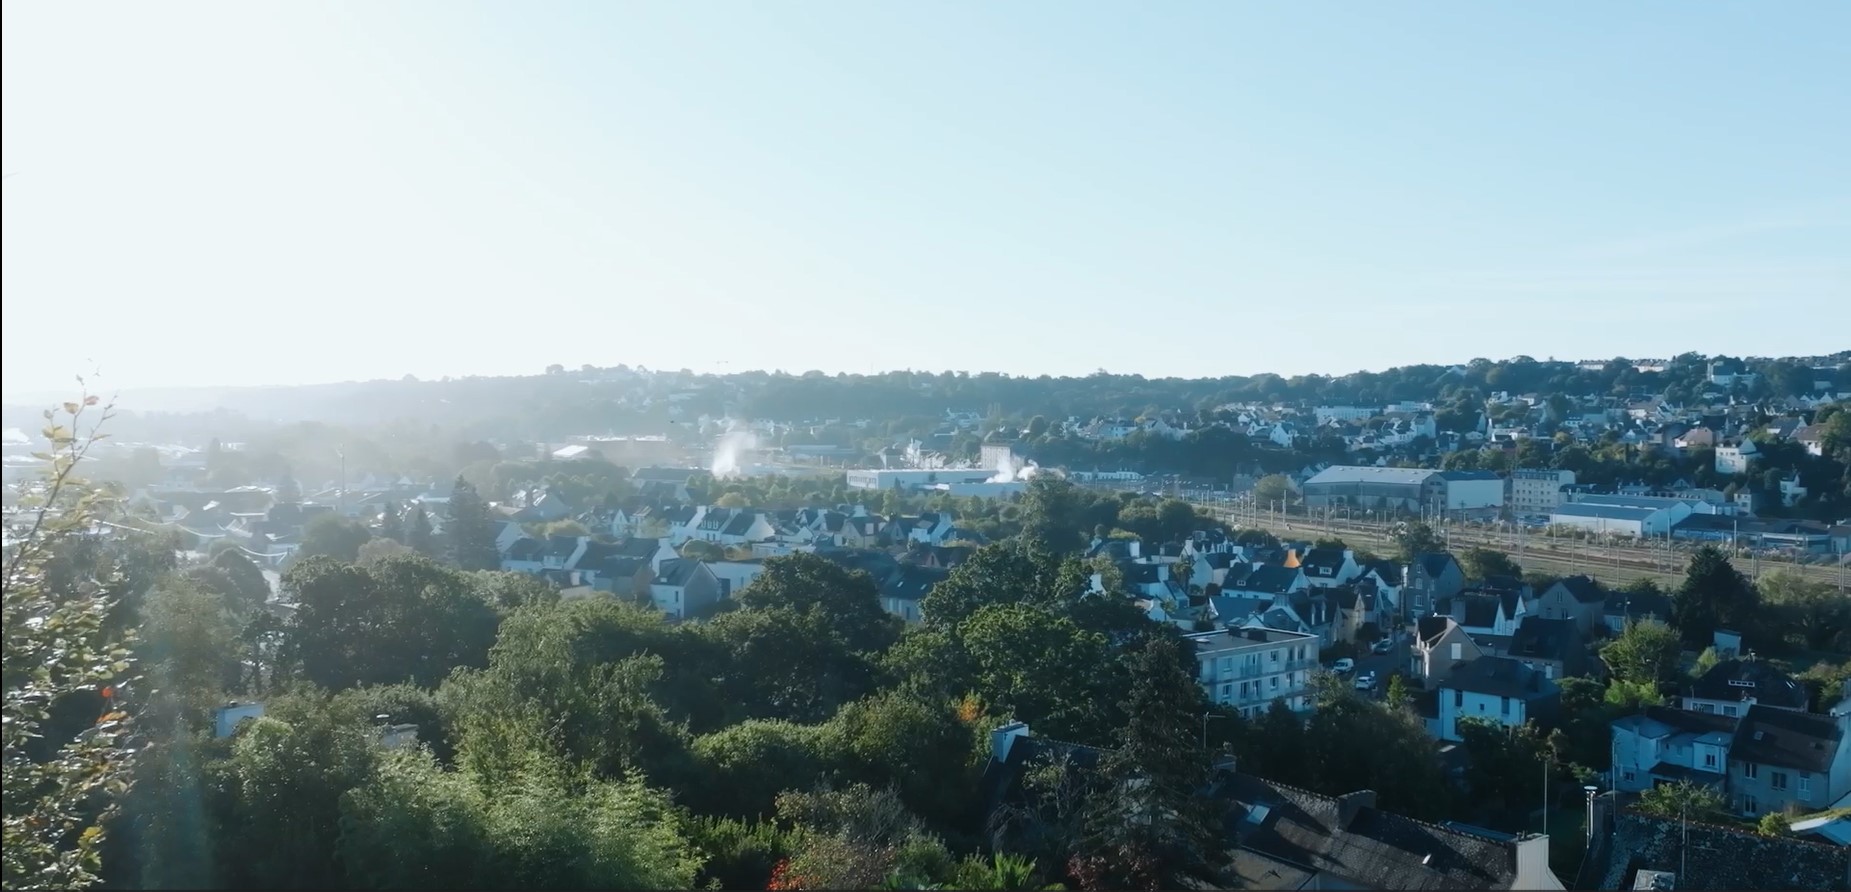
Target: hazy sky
[(271, 193)]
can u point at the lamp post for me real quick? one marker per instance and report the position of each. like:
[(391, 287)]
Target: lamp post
[(1591, 791), (1206, 718)]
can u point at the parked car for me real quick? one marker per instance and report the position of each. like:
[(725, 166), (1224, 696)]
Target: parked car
[(1344, 666), (1365, 681), (1383, 646)]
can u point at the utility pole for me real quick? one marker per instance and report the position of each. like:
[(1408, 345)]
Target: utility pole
[(341, 505)]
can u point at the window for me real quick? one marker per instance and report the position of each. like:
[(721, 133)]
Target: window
[(1751, 770), (1728, 710), (1275, 684), (1506, 705), (1227, 666), (1805, 787), (1458, 651), (1275, 655), (1709, 760), (1458, 699), (1750, 806), (1628, 775), (1707, 708), (1779, 780), (1227, 691)]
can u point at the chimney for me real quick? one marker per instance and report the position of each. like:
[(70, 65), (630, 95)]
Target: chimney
[(1349, 804), (1533, 864), (1004, 737)]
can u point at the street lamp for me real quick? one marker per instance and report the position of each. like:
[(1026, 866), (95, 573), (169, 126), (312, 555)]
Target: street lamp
[(1206, 718), (1591, 790)]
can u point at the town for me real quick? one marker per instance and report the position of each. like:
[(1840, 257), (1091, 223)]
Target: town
[(1473, 640)]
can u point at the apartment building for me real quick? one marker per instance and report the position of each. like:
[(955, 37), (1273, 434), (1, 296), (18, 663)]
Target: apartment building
[(1538, 491), (1250, 668)]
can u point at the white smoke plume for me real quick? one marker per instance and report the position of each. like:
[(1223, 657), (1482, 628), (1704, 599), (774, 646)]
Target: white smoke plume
[(1009, 471), (733, 445)]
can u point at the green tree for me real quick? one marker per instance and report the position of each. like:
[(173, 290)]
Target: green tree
[(470, 530), (1714, 596), (1413, 539), (921, 749), (847, 600), (401, 618), (1810, 613), (748, 764), (1272, 488), (733, 500), (333, 536), (1684, 800), (189, 645), (249, 588), (1150, 827), (418, 533), (58, 648), (391, 524), (1053, 514), (1013, 571), (1481, 564), (1013, 649), (702, 550), (1644, 653), (1773, 824)]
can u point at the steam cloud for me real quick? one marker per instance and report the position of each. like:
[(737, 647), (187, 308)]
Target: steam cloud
[(726, 454), (1009, 471)]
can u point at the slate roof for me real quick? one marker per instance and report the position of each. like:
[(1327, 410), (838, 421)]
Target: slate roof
[(1803, 741), (1549, 639), (665, 475), (1348, 837), (1638, 606), (1583, 589), (1324, 561), (1431, 629), (1337, 474), (678, 571), (1500, 677), (1434, 563), (637, 547), (911, 583), (741, 522), (526, 548), (1387, 569), (1270, 579), (1741, 679)]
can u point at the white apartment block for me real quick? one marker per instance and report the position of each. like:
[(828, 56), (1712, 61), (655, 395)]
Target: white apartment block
[(1538, 491), (1250, 668)]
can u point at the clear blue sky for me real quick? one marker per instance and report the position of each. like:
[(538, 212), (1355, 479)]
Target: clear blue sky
[(275, 193)]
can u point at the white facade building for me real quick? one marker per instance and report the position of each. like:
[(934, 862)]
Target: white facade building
[(1538, 491), (1250, 668)]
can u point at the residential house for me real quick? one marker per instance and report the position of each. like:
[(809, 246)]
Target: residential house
[(1265, 580), (1356, 605), (1783, 760), (1329, 567), (1558, 647), (1431, 578), (669, 482), (681, 522), (1440, 644), (1731, 686), (684, 587), (1812, 437), (1623, 607), (1496, 688), (735, 575), (1734, 456), (1486, 612), (1663, 745), (1289, 838), (1249, 668), (904, 590), (1576, 598)]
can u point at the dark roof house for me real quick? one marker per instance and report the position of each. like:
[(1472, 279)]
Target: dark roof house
[(1732, 681)]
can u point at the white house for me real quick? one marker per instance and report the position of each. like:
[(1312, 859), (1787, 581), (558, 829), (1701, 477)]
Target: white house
[(1250, 668), (1733, 457), (1667, 745), (1496, 688), (735, 575)]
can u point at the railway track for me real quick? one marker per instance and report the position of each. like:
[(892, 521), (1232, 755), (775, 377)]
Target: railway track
[(1611, 565)]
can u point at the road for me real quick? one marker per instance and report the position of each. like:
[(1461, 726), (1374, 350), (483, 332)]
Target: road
[(1383, 665)]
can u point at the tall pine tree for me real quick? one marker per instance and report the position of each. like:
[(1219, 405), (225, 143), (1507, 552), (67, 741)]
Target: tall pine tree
[(470, 531), (1714, 596), (418, 534), (1150, 825), (391, 526)]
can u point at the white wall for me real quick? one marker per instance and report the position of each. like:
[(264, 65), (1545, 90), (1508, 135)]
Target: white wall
[(1480, 705), (1462, 495)]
